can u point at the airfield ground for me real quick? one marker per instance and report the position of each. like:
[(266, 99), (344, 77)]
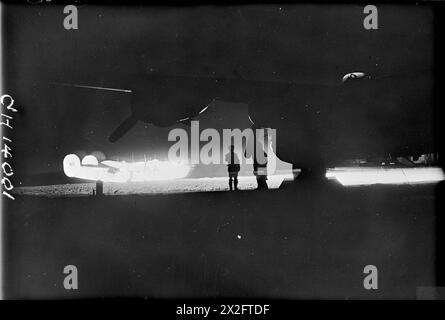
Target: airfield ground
[(305, 240)]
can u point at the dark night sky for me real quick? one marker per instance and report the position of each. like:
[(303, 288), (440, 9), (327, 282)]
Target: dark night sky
[(303, 43)]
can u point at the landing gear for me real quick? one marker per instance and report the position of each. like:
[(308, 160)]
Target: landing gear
[(304, 176), (310, 173), (99, 188), (313, 173)]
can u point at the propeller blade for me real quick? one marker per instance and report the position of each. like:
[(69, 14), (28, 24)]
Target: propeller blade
[(123, 128)]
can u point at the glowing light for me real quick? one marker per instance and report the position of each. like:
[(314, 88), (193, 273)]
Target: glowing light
[(90, 161), (90, 170), (71, 165), (121, 171), (353, 176)]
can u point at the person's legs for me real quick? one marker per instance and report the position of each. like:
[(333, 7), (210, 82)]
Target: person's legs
[(261, 177), (261, 182), (230, 181), (235, 177)]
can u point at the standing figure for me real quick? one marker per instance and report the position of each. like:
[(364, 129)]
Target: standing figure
[(260, 169), (257, 148), (233, 167)]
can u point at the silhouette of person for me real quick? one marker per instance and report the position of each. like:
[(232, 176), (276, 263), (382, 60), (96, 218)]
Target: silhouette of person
[(233, 167), (253, 149), (260, 169)]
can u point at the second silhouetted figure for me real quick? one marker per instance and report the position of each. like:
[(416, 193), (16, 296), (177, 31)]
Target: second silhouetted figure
[(233, 167)]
